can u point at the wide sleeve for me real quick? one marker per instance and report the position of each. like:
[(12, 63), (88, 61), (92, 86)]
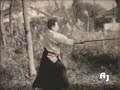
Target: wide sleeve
[(62, 39)]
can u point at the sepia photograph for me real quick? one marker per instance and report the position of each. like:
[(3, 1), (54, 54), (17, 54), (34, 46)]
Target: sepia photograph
[(59, 44)]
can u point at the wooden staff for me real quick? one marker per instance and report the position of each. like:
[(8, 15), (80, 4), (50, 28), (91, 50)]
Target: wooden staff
[(97, 40)]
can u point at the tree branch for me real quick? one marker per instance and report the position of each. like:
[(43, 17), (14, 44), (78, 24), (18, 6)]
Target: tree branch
[(7, 11), (56, 4), (39, 11)]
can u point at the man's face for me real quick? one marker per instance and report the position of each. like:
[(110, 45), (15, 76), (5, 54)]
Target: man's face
[(56, 27)]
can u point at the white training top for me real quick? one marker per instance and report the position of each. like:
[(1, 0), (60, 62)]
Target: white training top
[(52, 41)]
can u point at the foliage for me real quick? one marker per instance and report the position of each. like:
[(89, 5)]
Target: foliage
[(80, 8), (93, 10)]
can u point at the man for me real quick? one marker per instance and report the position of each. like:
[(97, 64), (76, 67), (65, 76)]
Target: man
[(52, 72)]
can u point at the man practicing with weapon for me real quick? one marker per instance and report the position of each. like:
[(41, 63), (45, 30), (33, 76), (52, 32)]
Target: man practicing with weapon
[(52, 73)]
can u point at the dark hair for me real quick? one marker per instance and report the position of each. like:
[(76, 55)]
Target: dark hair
[(51, 22)]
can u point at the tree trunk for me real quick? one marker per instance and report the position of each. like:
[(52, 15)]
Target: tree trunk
[(0, 33), (3, 35), (29, 39), (118, 6), (10, 18)]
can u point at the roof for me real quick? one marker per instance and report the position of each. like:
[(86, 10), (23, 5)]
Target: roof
[(112, 11)]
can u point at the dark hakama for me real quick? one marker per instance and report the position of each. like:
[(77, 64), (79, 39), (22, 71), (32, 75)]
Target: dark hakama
[(51, 76)]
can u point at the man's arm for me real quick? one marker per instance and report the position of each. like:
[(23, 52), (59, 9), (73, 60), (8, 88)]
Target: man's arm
[(62, 39)]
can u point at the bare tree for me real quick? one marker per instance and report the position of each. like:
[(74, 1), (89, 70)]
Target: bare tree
[(29, 39)]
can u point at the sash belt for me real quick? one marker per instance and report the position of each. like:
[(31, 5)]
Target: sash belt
[(57, 55)]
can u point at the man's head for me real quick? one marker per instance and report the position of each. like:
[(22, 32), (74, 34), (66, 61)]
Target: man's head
[(53, 24)]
